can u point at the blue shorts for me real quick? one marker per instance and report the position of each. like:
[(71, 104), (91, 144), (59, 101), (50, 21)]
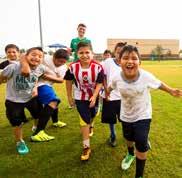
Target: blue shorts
[(137, 132), (46, 94), (86, 113)]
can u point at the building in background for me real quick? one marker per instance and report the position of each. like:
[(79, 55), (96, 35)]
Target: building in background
[(151, 48)]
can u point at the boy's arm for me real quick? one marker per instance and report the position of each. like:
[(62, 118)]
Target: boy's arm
[(3, 79), (172, 91), (25, 68), (53, 78), (69, 92), (95, 94)]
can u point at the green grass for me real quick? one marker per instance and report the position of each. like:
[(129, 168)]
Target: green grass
[(61, 158)]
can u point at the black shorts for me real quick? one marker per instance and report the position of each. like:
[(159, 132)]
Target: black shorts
[(15, 111), (86, 113), (137, 132), (110, 111)]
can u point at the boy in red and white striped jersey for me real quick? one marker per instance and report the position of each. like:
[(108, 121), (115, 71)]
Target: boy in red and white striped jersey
[(87, 76)]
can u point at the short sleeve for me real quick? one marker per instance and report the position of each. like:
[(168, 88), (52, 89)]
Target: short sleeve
[(100, 77), (8, 71), (152, 81), (69, 75)]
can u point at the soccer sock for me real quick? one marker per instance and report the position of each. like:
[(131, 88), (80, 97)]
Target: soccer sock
[(55, 116), (140, 164), (112, 130), (44, 116), (131, 150), (86, 143)]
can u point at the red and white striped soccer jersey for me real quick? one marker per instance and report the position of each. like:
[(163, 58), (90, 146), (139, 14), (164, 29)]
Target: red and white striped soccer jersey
[(85, 78)]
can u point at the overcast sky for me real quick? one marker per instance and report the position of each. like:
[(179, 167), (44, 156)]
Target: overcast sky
[(153, 19)]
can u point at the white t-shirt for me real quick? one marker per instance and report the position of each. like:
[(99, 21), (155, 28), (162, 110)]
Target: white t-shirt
[(53, 70), (135, 96), (111, 68)]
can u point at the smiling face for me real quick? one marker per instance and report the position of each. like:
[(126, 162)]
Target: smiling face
[(34, 58), (12, 54), (81, 31), (130, 63), (85, 55)]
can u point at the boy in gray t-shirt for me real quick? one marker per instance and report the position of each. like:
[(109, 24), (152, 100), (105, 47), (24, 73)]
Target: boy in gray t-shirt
[(21, 92)]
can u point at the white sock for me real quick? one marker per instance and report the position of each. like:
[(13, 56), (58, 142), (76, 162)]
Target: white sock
[(86, 143), (18, 142)]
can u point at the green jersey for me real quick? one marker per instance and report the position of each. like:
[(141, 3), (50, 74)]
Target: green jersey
[(74, 43)]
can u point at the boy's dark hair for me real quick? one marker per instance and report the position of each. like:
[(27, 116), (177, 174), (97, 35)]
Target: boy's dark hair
[(61, 53), (82, 25), (34, 48), (84, 44), (11, 46), (120, 44), (107, 51), (129, 49)]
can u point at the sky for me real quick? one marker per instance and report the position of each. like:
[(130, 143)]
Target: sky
[(139, 19)]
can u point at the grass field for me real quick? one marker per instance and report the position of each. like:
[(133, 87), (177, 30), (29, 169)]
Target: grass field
[(61, 158)]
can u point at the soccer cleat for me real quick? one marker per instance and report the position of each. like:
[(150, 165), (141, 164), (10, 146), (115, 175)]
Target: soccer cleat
[(41, 137), (86, 154), (59, 124), (91, 132), (126, 162), (112, 142), (22, 148)]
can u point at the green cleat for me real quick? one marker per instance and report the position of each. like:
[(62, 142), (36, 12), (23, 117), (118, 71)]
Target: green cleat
[(22, 148), (41, 137), (59, 124), (126, 162)]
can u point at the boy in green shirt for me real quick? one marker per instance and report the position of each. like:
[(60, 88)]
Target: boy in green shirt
[(81, 38)]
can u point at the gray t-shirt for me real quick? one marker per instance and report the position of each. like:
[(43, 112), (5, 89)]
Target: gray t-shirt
[(19, 88)]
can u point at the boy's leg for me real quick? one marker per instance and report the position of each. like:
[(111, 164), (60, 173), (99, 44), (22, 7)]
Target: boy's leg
[(85, 121), (142, 128), (85, 131), (16, 118), (110, 111), (56, 122), (128, 135), (140, 163), (43, 114)]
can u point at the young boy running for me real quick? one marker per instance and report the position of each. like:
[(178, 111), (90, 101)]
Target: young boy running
[(111, 107), (87, 76), (134, 86), (12, 54), (19, 93), (46, 95)]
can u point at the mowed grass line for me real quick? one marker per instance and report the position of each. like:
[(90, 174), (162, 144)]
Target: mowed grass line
[(60, 158)]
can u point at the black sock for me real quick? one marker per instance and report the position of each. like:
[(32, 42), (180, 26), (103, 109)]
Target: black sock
[(131, 150), (44, 116), (55, 116), (140, 164)]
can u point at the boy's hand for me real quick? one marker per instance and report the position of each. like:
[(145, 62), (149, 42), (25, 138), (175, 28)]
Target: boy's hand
[(71, 102), (176, 92), (34, 92), (92, 101), (25, 68), (107, 94)]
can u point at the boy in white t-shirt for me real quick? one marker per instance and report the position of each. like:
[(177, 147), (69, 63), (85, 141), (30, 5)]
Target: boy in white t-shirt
[(111, 108), (134, 86)]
